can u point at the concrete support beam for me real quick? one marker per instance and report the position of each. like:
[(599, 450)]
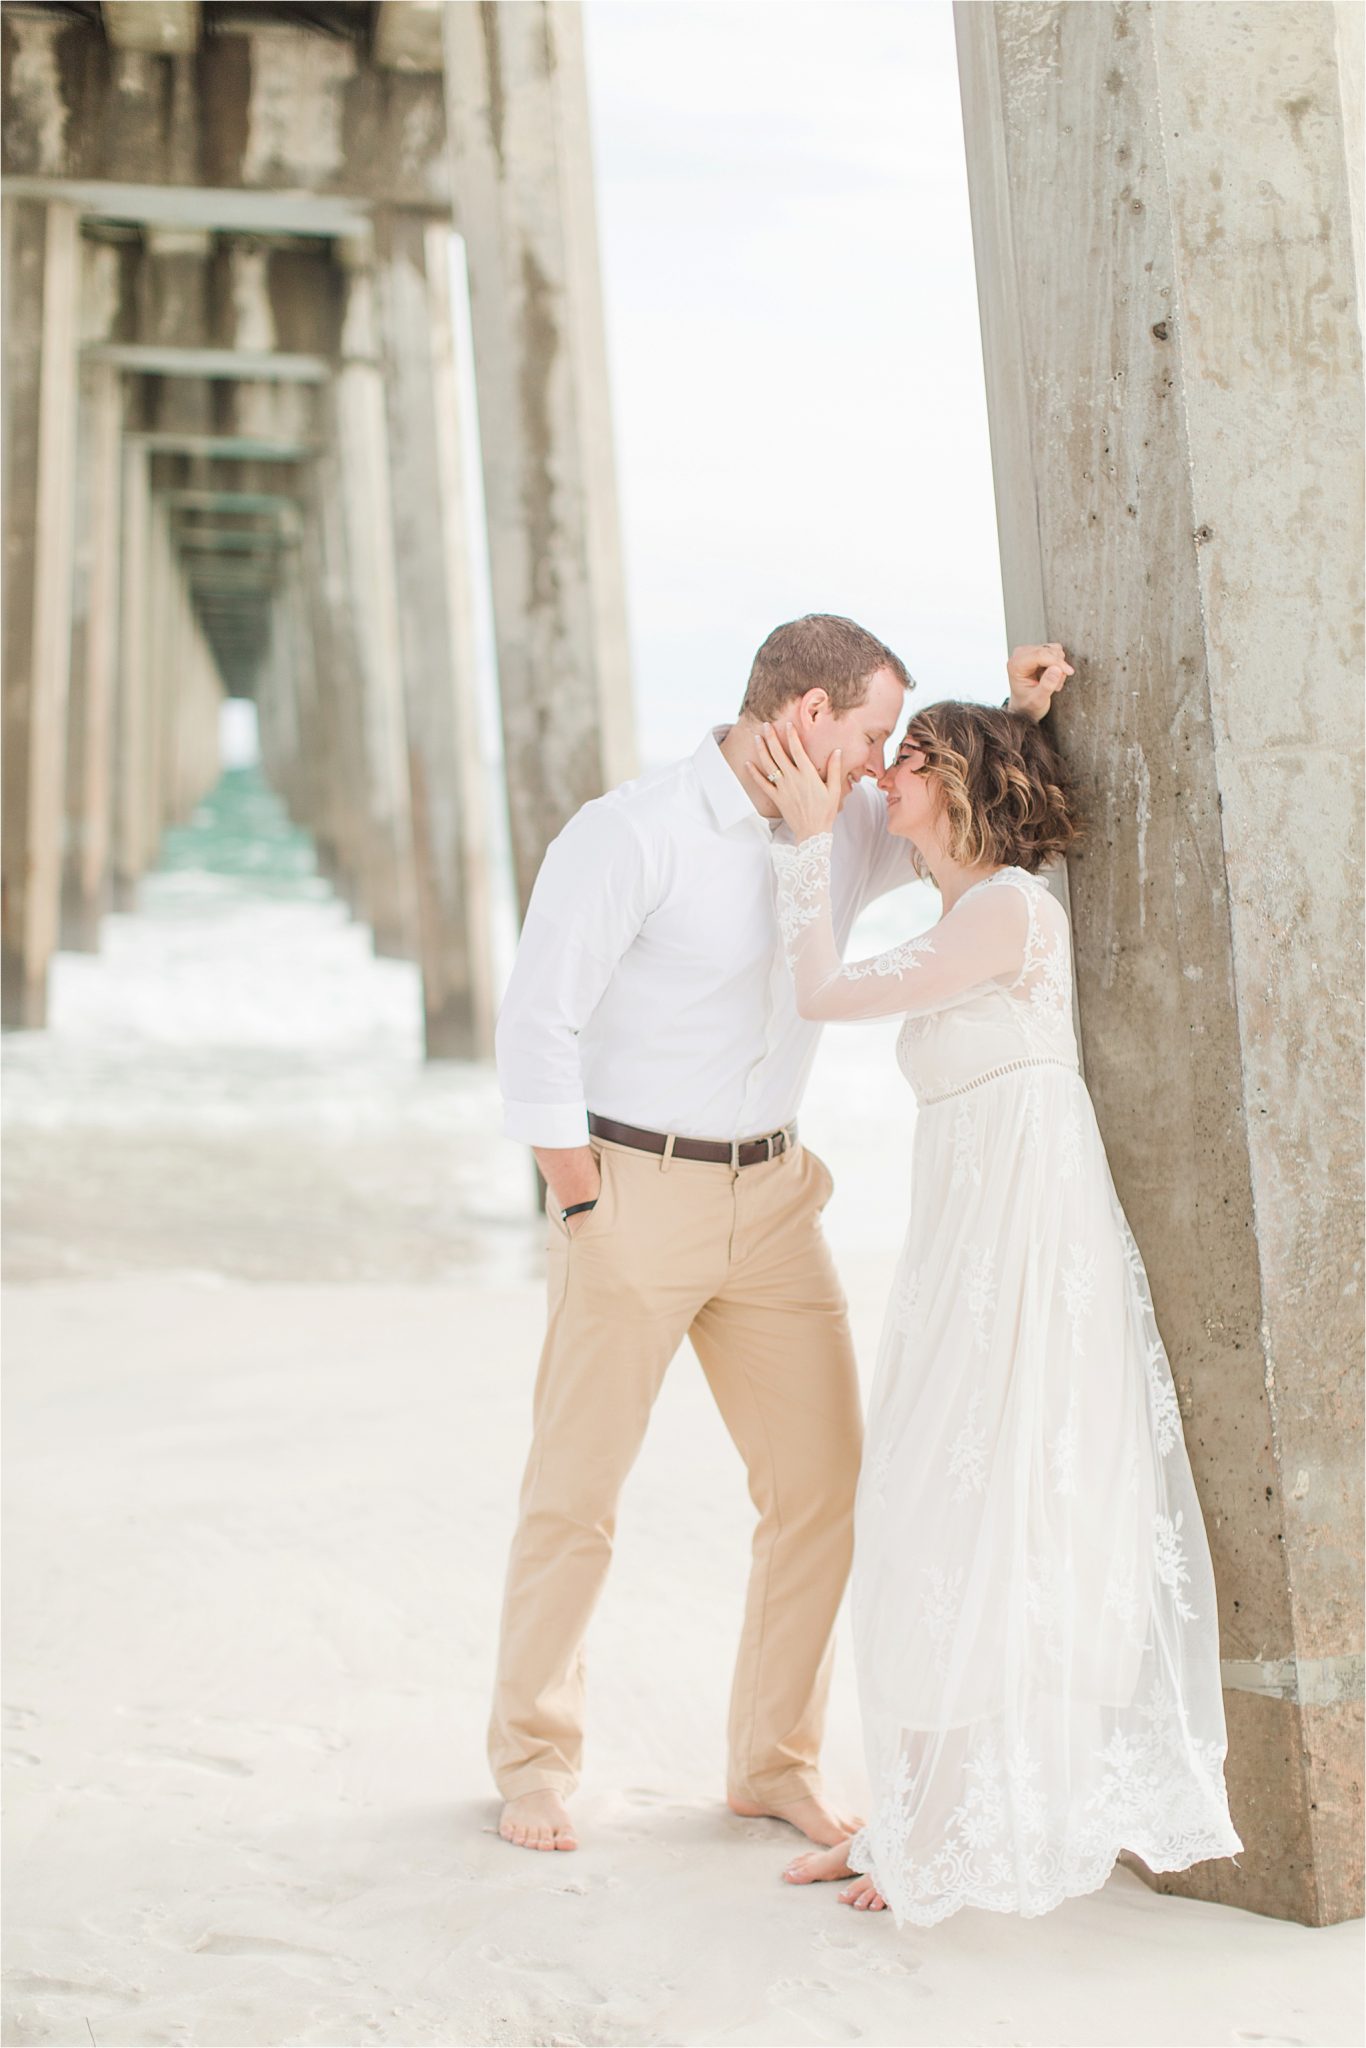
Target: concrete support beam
[(131, 758), (1195, 330), (226, 540), (226, 447), (146, 359), (408, 35), (315, 762), (517, 117), (94, 676), (203, 207), (368, 538), (435, 611), (188, 500), (163, 672), (269, 411), (278, 711), (232, 575), (341, 828), (168, 27), (41, 274), (192, 766)]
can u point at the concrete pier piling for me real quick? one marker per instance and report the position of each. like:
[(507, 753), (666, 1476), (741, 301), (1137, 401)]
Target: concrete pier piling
[(41, 270), (522, 186), (232, 468), (232, 464), (1163, 212)]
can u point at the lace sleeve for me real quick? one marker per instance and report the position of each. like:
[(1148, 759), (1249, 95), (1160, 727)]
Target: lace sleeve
[(980, 941)]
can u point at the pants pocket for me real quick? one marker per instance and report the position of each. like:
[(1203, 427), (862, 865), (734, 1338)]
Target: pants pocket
[(595, 1221), (824, 1179)]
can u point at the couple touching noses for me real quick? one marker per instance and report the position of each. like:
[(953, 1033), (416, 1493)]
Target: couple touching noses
[(1037, 1666)]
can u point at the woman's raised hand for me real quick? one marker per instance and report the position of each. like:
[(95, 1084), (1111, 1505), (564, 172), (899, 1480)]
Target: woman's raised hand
[(808, 801)]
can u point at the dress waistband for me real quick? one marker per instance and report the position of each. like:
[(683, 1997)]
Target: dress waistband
[(994, 1074)]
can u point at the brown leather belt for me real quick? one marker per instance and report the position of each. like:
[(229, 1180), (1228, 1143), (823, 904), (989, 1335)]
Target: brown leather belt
[(748, 1153)]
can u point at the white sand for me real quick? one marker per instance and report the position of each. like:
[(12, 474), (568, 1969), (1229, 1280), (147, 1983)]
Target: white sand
[(254, 1542)]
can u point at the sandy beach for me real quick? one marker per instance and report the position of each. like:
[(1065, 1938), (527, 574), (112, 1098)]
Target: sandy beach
[(254, 1540), (270, 1330)]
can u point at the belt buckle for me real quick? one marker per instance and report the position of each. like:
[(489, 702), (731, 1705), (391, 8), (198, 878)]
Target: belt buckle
[(735, 1155)]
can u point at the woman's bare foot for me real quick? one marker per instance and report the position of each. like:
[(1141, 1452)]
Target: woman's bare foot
[(864, 1896), (538, 1820), (820, 1867), (810, 1816)]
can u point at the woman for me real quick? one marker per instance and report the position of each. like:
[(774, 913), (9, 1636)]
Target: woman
[(1034, 1609)]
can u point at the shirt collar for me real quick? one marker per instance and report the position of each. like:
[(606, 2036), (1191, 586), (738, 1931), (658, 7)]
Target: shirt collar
[(722, 787)]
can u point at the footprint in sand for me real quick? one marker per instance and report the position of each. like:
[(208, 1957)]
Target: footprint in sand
[(18, 1718), (195, 1759), (569, 1989), (69, 1987), (878, 1965), (253, 1945)]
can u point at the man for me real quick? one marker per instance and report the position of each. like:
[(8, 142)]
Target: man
[(650, 1051)]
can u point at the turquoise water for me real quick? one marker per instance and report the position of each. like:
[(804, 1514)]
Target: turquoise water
[(242, 830), (234, 1085)]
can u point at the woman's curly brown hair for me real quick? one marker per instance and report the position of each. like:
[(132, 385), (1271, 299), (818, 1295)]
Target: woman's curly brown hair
[(1006, 794)]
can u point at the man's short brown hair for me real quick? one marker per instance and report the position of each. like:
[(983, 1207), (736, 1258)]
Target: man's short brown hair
[(819, 652)]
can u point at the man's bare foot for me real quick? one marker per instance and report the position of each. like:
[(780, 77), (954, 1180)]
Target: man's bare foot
[(820, 1867), (864, 1896), (538, 1820), (810, 1816)]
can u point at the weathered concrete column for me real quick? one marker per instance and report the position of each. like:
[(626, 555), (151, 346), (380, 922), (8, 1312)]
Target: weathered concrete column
[(318, 748), (41, 273), (196, 715), (204, 763), (196, 706), (517, 116), (343, 833), (1162, 214), (278, 709), (173, 292), (161, 679), (134, 697), (367, 520), (445, 768), (90, 725)]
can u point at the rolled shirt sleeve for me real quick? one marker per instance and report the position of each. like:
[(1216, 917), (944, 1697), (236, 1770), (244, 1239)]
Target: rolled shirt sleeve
[(587, 907)]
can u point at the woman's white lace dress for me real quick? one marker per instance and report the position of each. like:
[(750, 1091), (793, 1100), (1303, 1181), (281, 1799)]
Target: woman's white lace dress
[(1034, 1613)]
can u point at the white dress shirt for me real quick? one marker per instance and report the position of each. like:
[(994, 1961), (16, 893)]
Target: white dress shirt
[(650, 984)]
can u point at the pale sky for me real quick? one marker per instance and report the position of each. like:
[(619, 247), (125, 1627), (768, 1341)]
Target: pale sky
[(794, 350)]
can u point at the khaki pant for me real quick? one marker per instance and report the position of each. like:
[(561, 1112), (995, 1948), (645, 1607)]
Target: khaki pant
[(736, 1261)]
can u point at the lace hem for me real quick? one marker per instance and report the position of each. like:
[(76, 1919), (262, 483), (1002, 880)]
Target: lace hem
[(1088, 1876)]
